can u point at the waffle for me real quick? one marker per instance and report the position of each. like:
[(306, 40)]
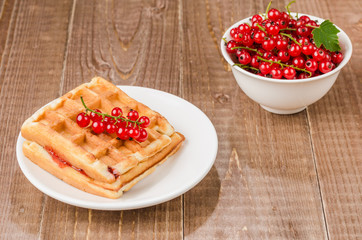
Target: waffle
[(100, 164)]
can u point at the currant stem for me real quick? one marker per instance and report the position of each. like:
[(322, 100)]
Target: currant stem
[(261, 28), (267, 9), (225, 40), (287, 7), (290, 36), (246, 66), (107, 115), (308, 25), (285, 65), (247, 48), (288, 29)]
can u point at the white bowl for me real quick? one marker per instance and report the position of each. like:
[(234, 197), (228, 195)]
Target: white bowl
[(284, 96)]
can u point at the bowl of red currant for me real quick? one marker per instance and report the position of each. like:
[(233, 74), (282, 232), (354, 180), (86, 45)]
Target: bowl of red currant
[(285, 61)]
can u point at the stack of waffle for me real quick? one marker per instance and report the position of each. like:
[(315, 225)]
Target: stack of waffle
[(99, 164)]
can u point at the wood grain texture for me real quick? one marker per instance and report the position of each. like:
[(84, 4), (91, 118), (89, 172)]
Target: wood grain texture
[(30, 71), (336, 134), (275, 177)]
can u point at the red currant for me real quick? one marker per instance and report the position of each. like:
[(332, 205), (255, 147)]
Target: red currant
[(300, 23), (268, 44), (256, 18), (298, 62), (244, 58), (237, 37), (305, 18), (230, 45), (303, 31), (307, 49), (325, 66), (284, 16), (111, 128), (289, 73), (273, 30), (282, 44), (133, 133), (143, 135), (294, 50), (133, 115), (282, 23), (276, 73), (274, 14), (116, 112), (337, 57), (95, 117), (303, 75), (255, 61), (247, 40), (265, 68), (311, 65), (283, 56), (259, 37), (319, 55), (98, 127), (145, 121), (244, 28), (122, 133), (83, 120), (267, 54), (233, 31)]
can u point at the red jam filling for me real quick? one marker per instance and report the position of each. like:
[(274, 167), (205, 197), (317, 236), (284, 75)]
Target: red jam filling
[(111, 170), (61, 162)]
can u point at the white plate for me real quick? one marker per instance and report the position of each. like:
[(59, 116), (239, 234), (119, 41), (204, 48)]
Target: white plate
[(177, 175)]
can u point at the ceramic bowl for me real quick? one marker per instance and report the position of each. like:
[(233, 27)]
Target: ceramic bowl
[(283, 96)]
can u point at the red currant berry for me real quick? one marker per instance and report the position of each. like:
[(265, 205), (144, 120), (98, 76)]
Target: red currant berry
[(237, 37), (265, 68), (95, 117), (307, 49), (294, 50), (133, 115), (244, 28), (289, 73), (98, 127), (274, 59), (303, 31), (143, 135), (133, 133), (283, 56), (274, 14), (300, 23), (305, 18), (292, 23), (239, 52), (273, 30), (247, 40), (256, 18), (254, 25), (259, 37), (233, 31), (328, 57), (83, 120), (282, 44), (121, 123), (108, 120), (285, 16), (267, 54), (325, 66), (116, 112), (230, 45), (269, 44), (337, 57), (319, 55), (303, 41), (111, 128), (282, 23), (255, 61), (145, 121), (303, 75), (122, 133), (244, 58), (311, 65), (298, 62), (276, 73)]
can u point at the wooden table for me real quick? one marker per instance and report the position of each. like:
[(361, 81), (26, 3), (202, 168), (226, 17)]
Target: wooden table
[(275, 177)]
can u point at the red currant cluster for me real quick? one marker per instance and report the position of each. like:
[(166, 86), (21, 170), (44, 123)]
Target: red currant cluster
[(131, 126), (277, 46)]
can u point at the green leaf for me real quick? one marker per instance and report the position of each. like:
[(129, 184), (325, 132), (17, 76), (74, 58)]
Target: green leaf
[(326, 35)]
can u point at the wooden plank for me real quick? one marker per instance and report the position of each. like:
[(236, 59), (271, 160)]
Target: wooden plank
[(264, 183), (6, 10), (129, 43), (336, 134), (30, 71)]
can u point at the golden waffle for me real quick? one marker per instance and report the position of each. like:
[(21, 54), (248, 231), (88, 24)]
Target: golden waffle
[(96, 163)]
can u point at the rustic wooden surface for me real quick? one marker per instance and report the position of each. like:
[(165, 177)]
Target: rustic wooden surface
[(275, 177)]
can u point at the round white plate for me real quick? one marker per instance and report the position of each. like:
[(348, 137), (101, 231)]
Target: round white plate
[(177, 175)]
